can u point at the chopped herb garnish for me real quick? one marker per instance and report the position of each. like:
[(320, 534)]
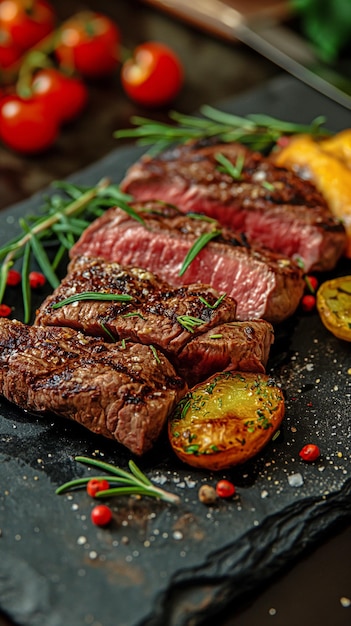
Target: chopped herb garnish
[(107, 332), (217, 336), (235, 171), (154, 352), (216, 304), (198, 245), (189, 322), (93, 295), (267, 185)]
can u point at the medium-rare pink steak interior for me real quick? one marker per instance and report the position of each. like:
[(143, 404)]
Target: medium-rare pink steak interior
[(264, 284), (270, 204), (124, 393), (193, 325)]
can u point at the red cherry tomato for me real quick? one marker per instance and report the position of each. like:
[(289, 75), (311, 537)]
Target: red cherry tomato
[(311, 283), (154, 76), (36, 280), (5, 310), (64, 95), (26, 126), (27, 22), (101, 515), (95, 485), (13, 278), (9, 52), (308, 303), (89, 44), (225, 489), (310, 452)]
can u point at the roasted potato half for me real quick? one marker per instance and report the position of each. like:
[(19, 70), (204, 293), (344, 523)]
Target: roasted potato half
[(226, 420)]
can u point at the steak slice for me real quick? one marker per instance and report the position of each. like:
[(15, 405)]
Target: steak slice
[(242, 346), (152, 318), (264, 284), (124, 394), (270, 204)]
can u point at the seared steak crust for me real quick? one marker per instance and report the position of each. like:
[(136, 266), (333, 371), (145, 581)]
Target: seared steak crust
[(270, 204), (264, 284), (124, 393), (242, 346), (151, 317)]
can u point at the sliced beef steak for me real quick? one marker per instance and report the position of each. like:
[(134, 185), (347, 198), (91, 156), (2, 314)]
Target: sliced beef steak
[(122, 393), (264, 284), (157, 315), (242, 346), (270, 204)]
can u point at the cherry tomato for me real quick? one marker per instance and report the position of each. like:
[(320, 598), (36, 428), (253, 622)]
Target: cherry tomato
[(310, 452), (27, 22), (66, 96), (154, 76), (36, 280), (89, 44), (95, 485), (101, 515), (308, 303), (311, 283), (9, 52), (26, 126), (13, 278), (5, 310), (225, 489)]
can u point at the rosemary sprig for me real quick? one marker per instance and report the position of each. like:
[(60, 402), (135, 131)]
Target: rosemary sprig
[(197, 246), (60, 221), (93, 295), (260, 132), (133, 482), (189, 322)]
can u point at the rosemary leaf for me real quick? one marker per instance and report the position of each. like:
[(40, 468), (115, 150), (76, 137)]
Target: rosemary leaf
[(228, 167), (259, 131), (26, 291), (198, 245), (93, 295), (189, 322), (138, 473)]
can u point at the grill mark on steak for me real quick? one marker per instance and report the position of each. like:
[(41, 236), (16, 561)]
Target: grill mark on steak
[(150, 318), (271, 204), (264, 284), (240, 345), (123, 394)]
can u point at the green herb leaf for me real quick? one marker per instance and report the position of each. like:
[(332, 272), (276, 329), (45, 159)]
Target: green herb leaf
[(93, 295), (200, 243), (134, 482), (189, 322)]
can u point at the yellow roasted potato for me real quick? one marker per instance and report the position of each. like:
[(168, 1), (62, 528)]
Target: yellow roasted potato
[(226, 420), (334, 306)]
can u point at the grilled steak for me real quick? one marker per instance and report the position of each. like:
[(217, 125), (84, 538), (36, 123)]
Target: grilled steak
[(272, 205), (156, 316), (122, 393), (264, 284), (242, 346), (153, 316)]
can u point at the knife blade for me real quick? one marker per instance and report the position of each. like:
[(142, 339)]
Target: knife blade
[(267, 36)]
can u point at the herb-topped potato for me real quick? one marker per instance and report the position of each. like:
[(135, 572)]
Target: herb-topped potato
[(226, 420)]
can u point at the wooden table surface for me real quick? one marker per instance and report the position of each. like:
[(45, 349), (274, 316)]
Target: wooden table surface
[(306, 593)]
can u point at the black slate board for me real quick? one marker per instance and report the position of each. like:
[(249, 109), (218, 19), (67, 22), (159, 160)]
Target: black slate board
[(162, 565)]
